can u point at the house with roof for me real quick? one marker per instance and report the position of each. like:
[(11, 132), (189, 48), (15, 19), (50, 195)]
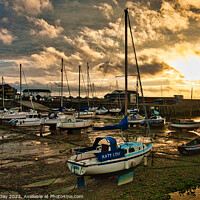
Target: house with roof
[(37, 93), (9, 92)]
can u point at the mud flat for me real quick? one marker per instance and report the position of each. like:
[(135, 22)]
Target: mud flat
[(34, 167)]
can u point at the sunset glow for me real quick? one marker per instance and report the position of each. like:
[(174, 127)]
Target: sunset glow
[(38, 33)]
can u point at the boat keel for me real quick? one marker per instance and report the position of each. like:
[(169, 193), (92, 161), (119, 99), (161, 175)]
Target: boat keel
[(126, 178), (80, 181)]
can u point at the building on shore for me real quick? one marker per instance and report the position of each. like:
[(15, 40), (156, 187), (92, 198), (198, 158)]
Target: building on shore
[(37, 93), (9, 92), (119, 96)]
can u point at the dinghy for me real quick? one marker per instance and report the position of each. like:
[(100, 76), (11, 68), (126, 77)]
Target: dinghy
[(101, 111), (154, 121), (189, 125), (115, 110), (135, 119), (71, 122), (190, 148)]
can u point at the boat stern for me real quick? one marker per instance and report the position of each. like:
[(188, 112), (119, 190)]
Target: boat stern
[(76, 169)]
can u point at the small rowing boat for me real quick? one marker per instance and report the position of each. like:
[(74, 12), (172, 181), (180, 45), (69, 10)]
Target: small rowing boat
[(192, 147)]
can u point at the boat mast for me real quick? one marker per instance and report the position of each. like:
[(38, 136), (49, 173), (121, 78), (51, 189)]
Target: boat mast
[(191, 102), (20, 75), (3, 91), (79, 90), (126, 60), (137, 99), (88, 86), (61, 83), (138, 71)]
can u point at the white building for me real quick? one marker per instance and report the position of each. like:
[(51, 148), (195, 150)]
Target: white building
[(37, 93)]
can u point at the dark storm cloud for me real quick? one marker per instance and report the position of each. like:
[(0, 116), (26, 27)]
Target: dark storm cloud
[(153, 68)]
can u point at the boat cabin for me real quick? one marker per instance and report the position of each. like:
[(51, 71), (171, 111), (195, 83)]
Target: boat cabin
[(30, 116), (109, 151)]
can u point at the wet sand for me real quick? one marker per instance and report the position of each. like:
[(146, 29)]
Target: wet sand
[(34, 165)]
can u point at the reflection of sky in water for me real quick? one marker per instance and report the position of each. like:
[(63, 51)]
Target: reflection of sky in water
[(164, 140), (13, 149)]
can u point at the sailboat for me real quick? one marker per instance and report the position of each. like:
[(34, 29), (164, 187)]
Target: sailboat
[(101, 110), (71, 122), (86, 113), (190, 148), (134, 116), (114, 110), (14, 114), (185, 124), (57, 114), (111, 157), (31, 119)]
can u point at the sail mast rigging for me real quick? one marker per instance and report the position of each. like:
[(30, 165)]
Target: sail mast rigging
[(138, 71)]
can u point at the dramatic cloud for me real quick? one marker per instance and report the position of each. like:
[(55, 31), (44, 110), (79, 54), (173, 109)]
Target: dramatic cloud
[(6, 36), (44, 29), (187, 4), (106, 9), (48, 58), (151, 24), (38, 33), (29, 7)]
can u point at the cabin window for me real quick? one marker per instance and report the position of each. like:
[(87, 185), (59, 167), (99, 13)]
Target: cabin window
[(125, 151), (131, 150), (104, 147)]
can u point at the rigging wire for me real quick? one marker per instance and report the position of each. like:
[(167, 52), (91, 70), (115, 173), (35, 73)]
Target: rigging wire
[(28, 89), (67, 82), (144, 107), (83, 82), (111, 53)]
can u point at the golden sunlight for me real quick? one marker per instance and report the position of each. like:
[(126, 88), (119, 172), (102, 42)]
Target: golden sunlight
[(189, 67)]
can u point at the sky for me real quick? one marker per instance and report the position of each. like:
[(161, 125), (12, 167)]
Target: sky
[(39, 33)]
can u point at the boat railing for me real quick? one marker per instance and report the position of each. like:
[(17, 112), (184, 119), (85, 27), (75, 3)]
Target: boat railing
[(86, 155)]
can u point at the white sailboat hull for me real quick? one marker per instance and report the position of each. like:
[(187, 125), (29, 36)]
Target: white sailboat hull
[(13, 116), (115, 110), (184, 126), (101, 112), (135, 121), (28, 122), (110, 166), (74, 125)]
